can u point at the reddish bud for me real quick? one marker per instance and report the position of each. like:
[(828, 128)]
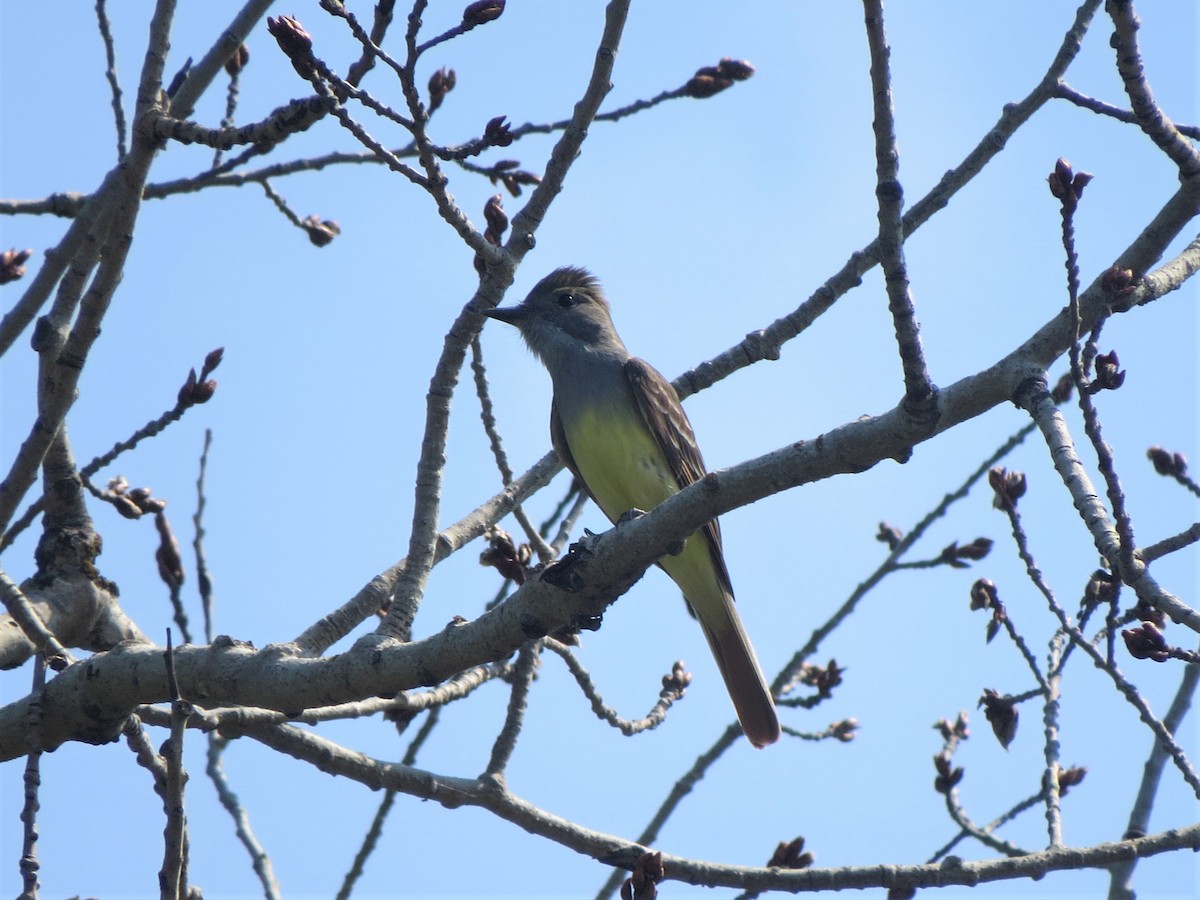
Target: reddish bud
[(890, 535), (984, 594), (705, 83), (1063, 170), (12, 264), (824, 679), (1008, 487), (496, 218), (125, 507), (295, 42), (1080, 182), (143, 498), (1001, 712), (505, 556), (1146, 642), (1066, 184), (211, 361), (170, 563), (441, 83), (237, 61), (1121, 284), (1063, 389), (1167, 463), (1116, 279), (948, 776), (204, 391), (321, 232), (184, 397), (1068, 778), (1057, 189), (954, 555), (1099, 589), (845, 730), (1109, 375), (642, 881), (676, 684), (497, 133), (790, 855), (735, 69), (481, 12)]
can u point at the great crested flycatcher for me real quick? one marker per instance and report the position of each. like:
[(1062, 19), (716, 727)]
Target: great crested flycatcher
[(617, 424)]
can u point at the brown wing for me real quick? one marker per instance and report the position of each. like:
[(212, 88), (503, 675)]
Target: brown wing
[(558, 440), (660, 406)]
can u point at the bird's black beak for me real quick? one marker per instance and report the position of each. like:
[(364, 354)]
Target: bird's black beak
[(513, 315)]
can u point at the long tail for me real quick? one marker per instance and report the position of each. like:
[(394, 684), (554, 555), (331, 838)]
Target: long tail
[(739, 667)]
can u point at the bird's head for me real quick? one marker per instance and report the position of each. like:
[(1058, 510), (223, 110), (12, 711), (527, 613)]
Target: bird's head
[(566, 313)]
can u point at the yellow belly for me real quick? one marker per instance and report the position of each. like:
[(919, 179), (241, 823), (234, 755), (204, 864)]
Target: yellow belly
[(619, 461)]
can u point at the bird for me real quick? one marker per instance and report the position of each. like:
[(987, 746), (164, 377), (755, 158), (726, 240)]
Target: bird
[(617, 424)]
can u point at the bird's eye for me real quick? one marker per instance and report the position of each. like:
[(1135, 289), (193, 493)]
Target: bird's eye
[(566, 300)]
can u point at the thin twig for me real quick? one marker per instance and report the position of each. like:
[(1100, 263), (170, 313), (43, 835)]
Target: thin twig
[(528, 660), (765, 343), (990, 827), (260, 860), (1068, 93), (376, 594), (375, 831), (29, 864), (173, 875), (672, 691), (203, 575), (1154, 122), (544, 551), (110, 73), (1121, 875), (1051, 713), (889, 194)]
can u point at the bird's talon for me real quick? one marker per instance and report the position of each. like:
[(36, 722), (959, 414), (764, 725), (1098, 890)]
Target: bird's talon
[(629, 515)]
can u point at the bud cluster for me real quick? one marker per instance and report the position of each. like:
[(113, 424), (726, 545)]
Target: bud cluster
[(1066, 185), (958, 730), (295, 42), (710, 80), (1167, 463), (1147, 642), (642, 882), (1008, 487), (790, 855), (320, 231), (959, 557), (200, 389), (441, 83), (12, 264), (948, 774), (1001, 712), (237, 61), (1109, 374), (676, 684), (505, 556), (1121, 284), (481, 12), (890, 535)]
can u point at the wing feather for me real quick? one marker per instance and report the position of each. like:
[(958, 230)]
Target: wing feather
[(664, 415)]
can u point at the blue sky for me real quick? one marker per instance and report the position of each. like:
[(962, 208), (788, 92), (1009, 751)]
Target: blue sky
[(706, 220)]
